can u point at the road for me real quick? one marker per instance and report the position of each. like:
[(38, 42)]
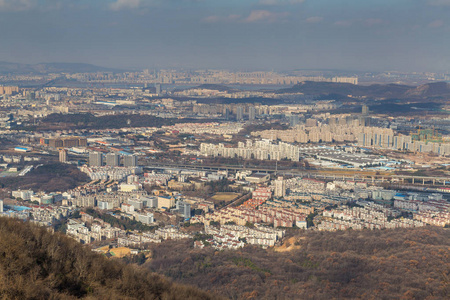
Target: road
[(357, 176)]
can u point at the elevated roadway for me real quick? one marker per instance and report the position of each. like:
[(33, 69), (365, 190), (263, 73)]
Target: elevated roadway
[(357, 175)]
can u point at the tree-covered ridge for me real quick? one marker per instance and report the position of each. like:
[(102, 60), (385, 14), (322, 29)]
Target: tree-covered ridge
[(386, 264), (435, 90), (89, 121), (53, 177), (35, 264)]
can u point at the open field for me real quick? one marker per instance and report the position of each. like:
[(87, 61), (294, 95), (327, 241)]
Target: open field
[(120, 252), (227, 197)]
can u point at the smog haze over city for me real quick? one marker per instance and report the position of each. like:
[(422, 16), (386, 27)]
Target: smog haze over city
[(380, 35), (208, 149)]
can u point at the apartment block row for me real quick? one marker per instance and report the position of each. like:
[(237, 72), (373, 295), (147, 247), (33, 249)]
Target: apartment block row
[(232, 236), (336, 224), (100, 230), (386, 139), (108, 173), (261, 150), (171, 232), (279, 217), (113, 159), (359, 218), (138, 240), (64, 142), (291, 205), (41, 215), (441, 218), (419, 205), (205, 128)]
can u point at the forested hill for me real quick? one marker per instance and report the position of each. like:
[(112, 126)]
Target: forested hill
[(435, 90), (214, 87), (89, 121), (35, 264), (368, 264), (52, 177), (46, 68)]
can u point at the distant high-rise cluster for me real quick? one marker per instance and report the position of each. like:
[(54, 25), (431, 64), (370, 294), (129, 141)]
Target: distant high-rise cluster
[(241, 111), (225, 77), (8, 90), (96, 159), (312, 133), (261, 150), (385, 138)]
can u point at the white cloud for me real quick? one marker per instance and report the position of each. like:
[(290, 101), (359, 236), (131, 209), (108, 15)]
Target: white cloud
[(436, 24), (314, 20), (217, 19), (253, 17), (343, 23), (212, 19), (125, 4), (371, 22), (17, 5), (145, 4), (374, 22), (265, 16), (280, 2), (439, 2)]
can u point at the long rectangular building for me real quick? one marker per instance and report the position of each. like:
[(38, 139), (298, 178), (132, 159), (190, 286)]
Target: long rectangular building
[(64, 142)]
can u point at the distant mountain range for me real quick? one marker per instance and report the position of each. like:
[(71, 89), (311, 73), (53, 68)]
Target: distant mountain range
[(213, 87), (436, 91), (376, 91), (46, 68)]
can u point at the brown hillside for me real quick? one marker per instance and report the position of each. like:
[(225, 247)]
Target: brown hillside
[(386, 264), (35, 264)]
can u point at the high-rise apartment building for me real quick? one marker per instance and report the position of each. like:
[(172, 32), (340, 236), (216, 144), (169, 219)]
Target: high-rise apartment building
[(8, 90), (293, 120), (130, 161), (251, 113), (280, 187), (226, 113), (365, 110), (146, 218), (95, 159), (158, 88), (184, 209), (239, 113), (112, 159), (311, 122), (63, 155)]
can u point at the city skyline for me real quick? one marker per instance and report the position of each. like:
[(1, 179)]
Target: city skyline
[(245, 149), (246, 35)]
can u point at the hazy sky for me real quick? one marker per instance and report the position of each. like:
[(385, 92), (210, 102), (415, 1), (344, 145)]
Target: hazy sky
[(404, 35)]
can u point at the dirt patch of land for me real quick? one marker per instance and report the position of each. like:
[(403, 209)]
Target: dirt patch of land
[(288, 245)]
